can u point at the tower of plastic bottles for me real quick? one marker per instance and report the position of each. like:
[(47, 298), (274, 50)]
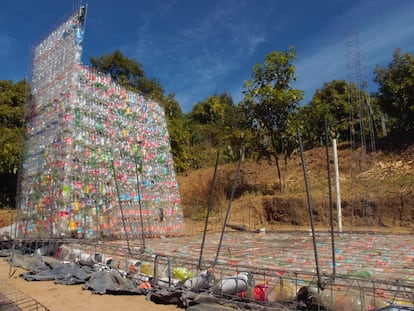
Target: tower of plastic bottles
[(97, 160)]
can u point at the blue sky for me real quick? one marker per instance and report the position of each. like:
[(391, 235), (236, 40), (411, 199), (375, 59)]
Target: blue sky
[(199, 48)]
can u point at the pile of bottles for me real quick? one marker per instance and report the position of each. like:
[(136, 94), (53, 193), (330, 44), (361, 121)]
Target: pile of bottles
[(97, 160)]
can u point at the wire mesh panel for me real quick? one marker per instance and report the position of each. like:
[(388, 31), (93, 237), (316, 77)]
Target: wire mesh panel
[(11, 299), (273, 284)]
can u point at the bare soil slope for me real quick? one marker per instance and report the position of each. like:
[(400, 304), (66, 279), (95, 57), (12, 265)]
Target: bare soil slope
[(377, 192)]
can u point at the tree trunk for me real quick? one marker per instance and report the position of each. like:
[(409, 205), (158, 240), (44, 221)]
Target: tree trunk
[(279, 174)]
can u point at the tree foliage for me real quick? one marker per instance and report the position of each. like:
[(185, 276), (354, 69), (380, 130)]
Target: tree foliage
[(128, 73), (396, 90), (178, 132), (330, 104), (269, 102), (214, 124), (348, 112), (12, 99)]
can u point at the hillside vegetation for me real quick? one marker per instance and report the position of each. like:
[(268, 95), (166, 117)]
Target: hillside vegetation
[(377, 192)]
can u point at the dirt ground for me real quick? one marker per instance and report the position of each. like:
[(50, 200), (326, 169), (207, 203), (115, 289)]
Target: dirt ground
[(69, 298)]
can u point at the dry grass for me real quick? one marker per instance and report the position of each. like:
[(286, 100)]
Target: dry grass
[(7, 217), (376, 192)]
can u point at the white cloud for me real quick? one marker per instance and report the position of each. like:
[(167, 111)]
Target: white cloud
[(204, 50), (387, 36), (319, 66)]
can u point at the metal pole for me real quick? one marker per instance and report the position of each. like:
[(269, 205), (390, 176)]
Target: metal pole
[(98, 227), (305, 175), (120, 205), (210, 202), (328, 169), (337, 188), (138, 170), (228, 210)]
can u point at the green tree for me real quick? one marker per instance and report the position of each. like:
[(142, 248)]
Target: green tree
[(12, 99), (396, 90), (179, 134), (269, 101), (347, 110), (128, 73), (212, 125), (330, 103)]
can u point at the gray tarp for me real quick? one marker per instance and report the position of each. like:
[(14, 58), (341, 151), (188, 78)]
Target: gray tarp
[(111, 283), (8, 252), (165, 295), (67, 274), (43, 268), (31, 263)]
